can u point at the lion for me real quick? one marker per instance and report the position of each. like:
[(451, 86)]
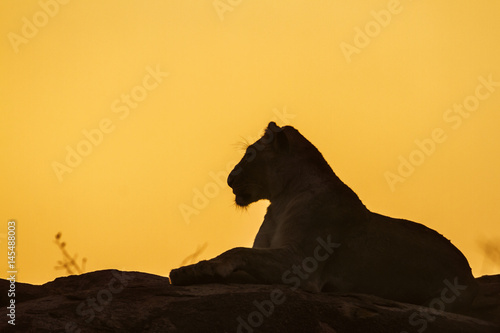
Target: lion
[(317, 235)]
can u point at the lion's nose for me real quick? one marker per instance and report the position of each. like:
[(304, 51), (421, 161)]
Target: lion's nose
[(230, 179), (233, 175)]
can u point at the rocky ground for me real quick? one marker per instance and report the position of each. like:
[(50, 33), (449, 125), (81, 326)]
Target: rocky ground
[(115, 301)]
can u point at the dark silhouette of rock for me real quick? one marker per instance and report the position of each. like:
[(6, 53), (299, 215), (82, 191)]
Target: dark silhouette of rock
[(115, 301)]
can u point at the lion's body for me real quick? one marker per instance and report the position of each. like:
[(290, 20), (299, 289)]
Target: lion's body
[(317, 234)]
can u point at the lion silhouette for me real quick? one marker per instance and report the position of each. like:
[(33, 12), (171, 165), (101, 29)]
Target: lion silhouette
[(318, 236)]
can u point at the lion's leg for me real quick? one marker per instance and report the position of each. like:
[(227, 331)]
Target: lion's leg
[(262, 265)]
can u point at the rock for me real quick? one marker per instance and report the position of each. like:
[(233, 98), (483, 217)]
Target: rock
[(115, 301), (486, 306)]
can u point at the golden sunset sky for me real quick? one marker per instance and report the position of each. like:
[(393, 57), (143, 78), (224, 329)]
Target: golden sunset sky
[(120, 120)]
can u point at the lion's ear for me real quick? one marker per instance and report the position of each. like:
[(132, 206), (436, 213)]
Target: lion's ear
[(273, 127), (280, 142), (277, 137)]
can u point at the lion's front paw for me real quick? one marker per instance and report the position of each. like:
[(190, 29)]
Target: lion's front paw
[(202, 272)]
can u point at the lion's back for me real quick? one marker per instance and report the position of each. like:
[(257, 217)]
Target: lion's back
[(404, 260)]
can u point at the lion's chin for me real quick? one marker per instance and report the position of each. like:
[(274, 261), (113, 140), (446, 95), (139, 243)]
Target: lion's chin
[(243, 200)]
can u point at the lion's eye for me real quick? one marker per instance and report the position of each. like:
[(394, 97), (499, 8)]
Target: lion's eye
[(250, 155)]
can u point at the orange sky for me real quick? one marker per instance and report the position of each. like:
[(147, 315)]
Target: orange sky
[(120, 120)]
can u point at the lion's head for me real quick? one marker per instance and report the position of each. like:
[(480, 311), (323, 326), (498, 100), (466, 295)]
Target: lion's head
[(278, 161), (256, 176)]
